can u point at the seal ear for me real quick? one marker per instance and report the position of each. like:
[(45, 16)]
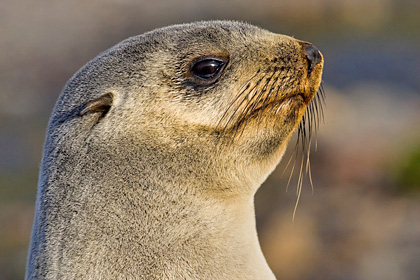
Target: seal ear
[(101, 104)]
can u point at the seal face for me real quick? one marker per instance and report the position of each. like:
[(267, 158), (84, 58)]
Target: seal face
[(156, 148)]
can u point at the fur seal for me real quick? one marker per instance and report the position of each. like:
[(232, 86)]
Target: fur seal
[(156, 147)]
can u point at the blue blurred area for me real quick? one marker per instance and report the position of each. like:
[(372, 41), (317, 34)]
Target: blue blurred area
[(375, 61)]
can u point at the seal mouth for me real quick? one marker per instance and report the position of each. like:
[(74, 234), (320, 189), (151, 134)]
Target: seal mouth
[(297, 98), (256, 108)]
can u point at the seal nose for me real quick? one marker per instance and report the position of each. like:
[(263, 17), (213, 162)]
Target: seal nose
[(313, 56)]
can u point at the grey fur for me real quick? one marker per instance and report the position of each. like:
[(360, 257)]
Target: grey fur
[(143, 177)]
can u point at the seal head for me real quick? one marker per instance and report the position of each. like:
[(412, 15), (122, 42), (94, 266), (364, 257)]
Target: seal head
[(156, 148)]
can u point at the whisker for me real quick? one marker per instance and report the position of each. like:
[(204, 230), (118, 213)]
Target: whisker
[(246, 90), (308, 125), (242, 90), (294, 155), (322, 103), (247, 110), (309, 116), (245, 98), (250, 107), (268, 96), (310, 175), (243, 93), (303, 135), (299, 189)]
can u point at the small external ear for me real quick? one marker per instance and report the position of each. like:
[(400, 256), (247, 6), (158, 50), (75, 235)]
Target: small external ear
[(100, 104)]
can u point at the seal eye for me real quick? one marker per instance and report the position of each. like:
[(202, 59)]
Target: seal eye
[(207, 69)]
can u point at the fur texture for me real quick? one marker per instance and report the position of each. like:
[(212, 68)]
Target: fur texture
[(147, 174)]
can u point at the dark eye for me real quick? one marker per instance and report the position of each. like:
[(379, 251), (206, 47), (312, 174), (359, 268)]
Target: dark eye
[(207, 69)]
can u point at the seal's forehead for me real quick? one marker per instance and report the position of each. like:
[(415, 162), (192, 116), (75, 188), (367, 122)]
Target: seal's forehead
[(205, 35), (174, 43), (212, 26), (205, 30)]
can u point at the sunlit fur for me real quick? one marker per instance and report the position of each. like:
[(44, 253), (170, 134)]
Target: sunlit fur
[(267, 88)]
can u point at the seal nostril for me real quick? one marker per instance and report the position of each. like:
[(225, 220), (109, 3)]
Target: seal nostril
[(313, 56)]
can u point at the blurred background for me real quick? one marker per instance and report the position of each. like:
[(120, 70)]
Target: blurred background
[(362, 220)]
